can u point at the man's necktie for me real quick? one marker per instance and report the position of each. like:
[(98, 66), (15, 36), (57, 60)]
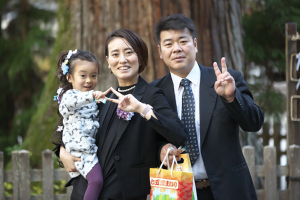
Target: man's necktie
[(188, 119)]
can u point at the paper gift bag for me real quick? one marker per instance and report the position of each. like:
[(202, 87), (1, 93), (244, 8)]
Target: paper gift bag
[(176, 183), (187, 167)]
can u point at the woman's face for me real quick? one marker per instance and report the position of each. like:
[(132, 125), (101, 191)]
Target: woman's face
[(123, 61)]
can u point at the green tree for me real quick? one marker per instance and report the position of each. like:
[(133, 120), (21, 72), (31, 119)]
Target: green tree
[(264, 44), (44, 119), (23, 39)]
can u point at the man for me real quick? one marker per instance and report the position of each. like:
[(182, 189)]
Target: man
[(213, 105)]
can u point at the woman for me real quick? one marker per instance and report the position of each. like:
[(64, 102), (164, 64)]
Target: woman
[(127, 149)]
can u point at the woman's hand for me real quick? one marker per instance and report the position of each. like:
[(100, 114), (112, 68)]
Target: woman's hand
[(68, 160), (129, 103)]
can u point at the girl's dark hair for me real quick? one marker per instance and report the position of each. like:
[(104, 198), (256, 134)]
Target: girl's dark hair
[(66, 85), (136, 43)]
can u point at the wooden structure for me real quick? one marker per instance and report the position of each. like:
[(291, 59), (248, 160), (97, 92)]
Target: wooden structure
[(292, 78), (277, 137), (21, 175), (270, 171)]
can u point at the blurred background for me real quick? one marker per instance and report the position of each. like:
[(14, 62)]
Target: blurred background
[(249, 33)]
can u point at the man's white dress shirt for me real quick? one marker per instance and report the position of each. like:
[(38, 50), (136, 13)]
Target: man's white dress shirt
[(194, 76)]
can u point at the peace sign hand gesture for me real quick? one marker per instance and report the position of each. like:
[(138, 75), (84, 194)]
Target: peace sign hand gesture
[(225, 84), (127, 102)]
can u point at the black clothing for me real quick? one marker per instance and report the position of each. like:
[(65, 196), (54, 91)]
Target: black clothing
[(220, 121), (136, 145), (112, 186)]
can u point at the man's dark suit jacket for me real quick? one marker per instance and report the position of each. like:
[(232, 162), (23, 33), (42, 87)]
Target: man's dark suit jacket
[(137, 148), (224, 162)]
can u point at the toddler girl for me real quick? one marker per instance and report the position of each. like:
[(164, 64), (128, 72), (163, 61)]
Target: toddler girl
[(78, 126)]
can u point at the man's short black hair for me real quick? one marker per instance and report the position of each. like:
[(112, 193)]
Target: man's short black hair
[(174, 22)]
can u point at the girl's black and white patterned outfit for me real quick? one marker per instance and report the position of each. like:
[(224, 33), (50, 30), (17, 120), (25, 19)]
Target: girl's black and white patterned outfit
[(81, 124)]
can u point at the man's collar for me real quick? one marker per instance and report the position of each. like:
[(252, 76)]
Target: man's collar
[(193, 76)]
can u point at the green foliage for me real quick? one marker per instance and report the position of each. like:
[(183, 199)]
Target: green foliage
[(45, 118), (10, 149), (59, 187), (8, 189), (264, 44), (36, 188), (271, 101), (264, 41), (20, 84)]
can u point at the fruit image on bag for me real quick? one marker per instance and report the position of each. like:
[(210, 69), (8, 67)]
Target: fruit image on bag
[(169, 194)]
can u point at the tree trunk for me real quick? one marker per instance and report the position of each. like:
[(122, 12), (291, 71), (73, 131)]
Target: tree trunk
[(218, 25), (84, 24)]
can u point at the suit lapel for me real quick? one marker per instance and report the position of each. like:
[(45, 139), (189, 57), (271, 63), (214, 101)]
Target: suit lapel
[(208, 98), (167, 86), (140, 89)]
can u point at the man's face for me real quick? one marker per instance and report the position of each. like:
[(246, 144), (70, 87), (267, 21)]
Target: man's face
[(178, 50)]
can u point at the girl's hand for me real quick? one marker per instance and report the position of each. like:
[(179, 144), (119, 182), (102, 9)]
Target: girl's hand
[(100, 95), (128, 102)]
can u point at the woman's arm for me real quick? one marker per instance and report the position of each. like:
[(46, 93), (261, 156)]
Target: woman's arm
[(161, 117), (129, 103), (167, 124)]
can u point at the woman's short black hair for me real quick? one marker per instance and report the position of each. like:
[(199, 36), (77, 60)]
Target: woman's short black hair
[(136, 42)]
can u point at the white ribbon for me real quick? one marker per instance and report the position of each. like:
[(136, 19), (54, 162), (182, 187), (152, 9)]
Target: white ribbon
[(70, 54)]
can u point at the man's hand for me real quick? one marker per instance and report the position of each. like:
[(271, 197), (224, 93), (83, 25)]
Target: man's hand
[(225, 84), (68, 160), (176, 152)]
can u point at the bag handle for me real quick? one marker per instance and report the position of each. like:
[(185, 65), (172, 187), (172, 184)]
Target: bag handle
[(167, 157)]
